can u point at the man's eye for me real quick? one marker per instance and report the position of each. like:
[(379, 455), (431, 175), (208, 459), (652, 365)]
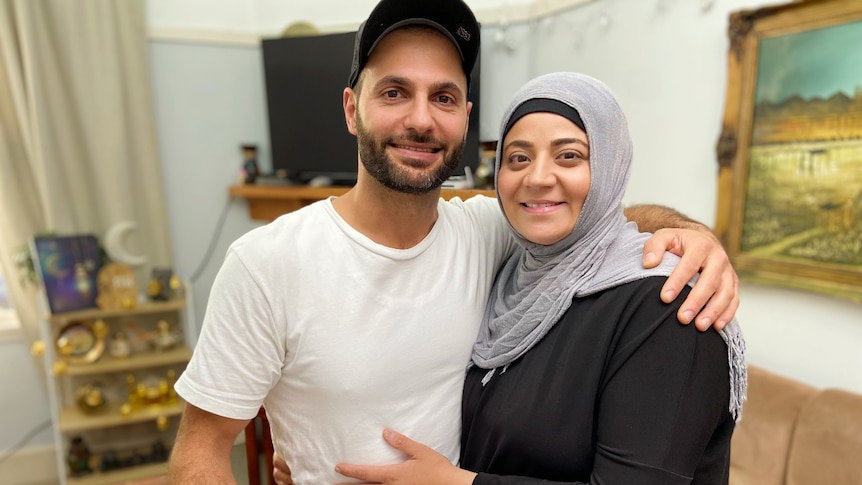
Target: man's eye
[(392, 93), (445, 99)]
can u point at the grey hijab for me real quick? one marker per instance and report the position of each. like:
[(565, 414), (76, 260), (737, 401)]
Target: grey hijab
[(537, 284)]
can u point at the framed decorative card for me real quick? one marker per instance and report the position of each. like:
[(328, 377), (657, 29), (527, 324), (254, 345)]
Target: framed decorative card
[(67, 267)]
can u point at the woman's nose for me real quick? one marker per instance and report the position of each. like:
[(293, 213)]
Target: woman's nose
[(541, 173)]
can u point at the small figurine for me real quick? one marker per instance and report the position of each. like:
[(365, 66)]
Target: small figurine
[(159, 452), (159, 287), (165, 338), (120, 346), (132, 389), (151, 391), (79, 457), (249, 163), (91, 399), (176, 286)]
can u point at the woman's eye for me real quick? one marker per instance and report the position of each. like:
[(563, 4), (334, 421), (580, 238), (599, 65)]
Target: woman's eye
[(572, 156)]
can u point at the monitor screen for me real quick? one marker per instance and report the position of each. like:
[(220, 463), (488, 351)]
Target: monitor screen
[(305, 77)]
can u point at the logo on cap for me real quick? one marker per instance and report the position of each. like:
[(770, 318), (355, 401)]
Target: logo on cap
[(462, 33)]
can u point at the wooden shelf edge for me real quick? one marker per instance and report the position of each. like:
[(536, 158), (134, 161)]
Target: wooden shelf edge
[(74, 420), (149, 307), (285, 192), (121, 476), (108, 364), (268, 202)]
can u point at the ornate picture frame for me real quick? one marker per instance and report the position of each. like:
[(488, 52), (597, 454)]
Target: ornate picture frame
[(790, 152)]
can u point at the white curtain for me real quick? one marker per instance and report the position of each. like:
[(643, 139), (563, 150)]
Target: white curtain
[(78, 150)]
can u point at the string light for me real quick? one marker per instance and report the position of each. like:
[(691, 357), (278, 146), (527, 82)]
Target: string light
[(580, 29)]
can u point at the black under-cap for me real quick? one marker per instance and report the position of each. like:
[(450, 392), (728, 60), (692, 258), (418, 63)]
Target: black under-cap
[(543, 105)]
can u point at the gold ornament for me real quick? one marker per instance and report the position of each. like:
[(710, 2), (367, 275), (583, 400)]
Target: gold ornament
[(90, 399), (162, 423), (118, 288), (166, 338), (59, 368), (37, 349), (81, 342), (100, 328)]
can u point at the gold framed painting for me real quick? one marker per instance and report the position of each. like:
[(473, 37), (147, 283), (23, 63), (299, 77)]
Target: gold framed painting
[(790, 152)]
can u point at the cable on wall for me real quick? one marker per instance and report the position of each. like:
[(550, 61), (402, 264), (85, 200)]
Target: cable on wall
[(213, 240), (26, 439)]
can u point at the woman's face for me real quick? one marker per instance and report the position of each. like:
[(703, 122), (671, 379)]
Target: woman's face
[(544, 176)]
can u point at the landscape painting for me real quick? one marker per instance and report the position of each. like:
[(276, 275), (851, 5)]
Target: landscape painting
[(795, 198)]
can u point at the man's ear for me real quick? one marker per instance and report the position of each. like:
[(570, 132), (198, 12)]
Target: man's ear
[(349, 104), (467, 124)]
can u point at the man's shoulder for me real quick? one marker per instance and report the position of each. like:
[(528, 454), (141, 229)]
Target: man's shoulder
[(476, 207), (286, 226), (474, 201)]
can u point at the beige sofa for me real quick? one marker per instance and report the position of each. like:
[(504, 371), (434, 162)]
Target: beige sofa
[(795, 434)]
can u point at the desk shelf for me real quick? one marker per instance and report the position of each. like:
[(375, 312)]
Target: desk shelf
[(267, 202)]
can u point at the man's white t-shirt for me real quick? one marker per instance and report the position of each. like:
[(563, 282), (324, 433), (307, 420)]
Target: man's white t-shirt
[(339, 337)]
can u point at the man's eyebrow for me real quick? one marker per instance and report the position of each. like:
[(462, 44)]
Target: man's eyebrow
[(448, 86), (396, 80), (405, 82)]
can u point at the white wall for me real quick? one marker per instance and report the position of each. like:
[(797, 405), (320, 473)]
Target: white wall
[(272, 16), (666, 61), (209, 101), (668, 69), (23, 397)]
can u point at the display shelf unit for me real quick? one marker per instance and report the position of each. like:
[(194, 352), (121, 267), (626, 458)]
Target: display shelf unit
[(127, 427)]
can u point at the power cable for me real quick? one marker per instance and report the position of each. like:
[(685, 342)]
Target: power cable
[(26, 439), (213, 240)]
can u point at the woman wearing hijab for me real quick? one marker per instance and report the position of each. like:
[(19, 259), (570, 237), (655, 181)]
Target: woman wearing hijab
[(578, 375)]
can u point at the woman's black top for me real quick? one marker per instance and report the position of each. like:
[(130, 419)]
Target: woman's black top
[(617, 393)]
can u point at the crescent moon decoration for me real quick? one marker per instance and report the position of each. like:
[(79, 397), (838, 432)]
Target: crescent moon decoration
[(53, 265), (115, 240)]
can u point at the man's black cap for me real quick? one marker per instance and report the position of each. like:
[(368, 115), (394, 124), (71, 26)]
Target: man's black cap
[(453, 18)]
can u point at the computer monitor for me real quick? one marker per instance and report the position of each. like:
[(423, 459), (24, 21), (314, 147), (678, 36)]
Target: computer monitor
[(305, 77)]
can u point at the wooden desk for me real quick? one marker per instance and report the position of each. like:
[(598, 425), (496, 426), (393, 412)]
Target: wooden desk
[(267, 202), (258, 447)]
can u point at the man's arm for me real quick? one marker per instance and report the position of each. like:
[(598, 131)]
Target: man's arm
[(715, 297), (652, 217), (201, 452)]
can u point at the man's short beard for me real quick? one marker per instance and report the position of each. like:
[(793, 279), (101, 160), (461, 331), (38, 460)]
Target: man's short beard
[(372, 153)]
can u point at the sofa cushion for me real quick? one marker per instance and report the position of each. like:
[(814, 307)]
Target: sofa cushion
[(827, 445), (762, 439)]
